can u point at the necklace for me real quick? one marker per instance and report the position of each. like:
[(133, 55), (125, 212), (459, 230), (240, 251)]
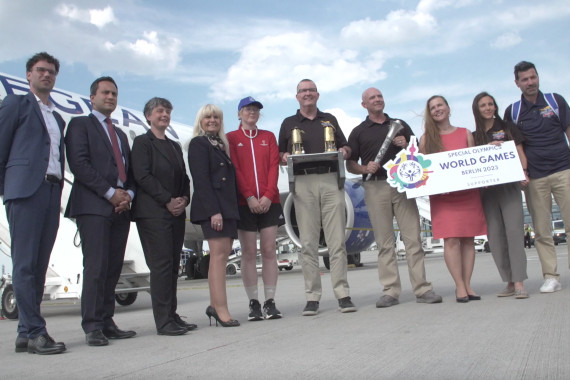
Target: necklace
[(250, 135)]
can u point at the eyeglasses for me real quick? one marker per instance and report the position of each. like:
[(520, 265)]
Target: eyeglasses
[(251, 109), (302, 90), (43, 70)]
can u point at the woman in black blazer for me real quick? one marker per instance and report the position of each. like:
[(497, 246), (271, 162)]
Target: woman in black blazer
[(214, 202), (160, 212)]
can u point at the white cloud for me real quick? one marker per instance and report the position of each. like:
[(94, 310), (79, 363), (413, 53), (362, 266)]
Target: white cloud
[(97, 17), (102, 17), (397, 28), (147, 54), (272, 66), (506, 40), (429, 6), (72, 12), (346, 122)]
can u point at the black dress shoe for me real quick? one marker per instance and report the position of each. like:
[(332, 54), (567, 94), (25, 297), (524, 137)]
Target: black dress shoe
[(172, 329), (21, 344), (44, 345), (96, 338), (473, 297), (180, 322), (113, 332)]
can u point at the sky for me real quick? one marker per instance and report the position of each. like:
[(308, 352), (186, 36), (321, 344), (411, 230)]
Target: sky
[(196, 52)]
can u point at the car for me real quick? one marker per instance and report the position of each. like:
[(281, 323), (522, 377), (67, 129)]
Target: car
[(233, 268), (559, 237), (480, 243), (285, 264), (558, 232), (281, 264)]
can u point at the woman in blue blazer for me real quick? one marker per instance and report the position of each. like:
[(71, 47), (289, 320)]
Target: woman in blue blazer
[(214, 202)]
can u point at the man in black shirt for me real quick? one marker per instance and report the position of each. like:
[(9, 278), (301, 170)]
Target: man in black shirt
[(318, 199), (384, 202)]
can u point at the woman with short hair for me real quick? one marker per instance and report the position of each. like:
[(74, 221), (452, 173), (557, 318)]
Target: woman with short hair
[(163, 192)]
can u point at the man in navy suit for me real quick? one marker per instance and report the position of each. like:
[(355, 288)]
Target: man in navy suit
[(31, 178), (98, 154)]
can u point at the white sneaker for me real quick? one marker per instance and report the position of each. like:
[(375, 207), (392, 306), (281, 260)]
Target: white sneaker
[(550, 285)]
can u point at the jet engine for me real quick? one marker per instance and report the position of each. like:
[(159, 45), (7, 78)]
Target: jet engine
[(358, 233)]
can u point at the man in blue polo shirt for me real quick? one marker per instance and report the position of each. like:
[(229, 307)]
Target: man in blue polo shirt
[(544, 119)]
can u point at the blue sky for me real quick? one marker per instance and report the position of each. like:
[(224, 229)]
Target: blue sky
[(196, 52)]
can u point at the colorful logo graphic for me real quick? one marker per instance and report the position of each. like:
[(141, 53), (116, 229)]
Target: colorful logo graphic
[(409, 170)]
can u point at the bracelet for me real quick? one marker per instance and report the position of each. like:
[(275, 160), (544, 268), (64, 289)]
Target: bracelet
[(248, 198)]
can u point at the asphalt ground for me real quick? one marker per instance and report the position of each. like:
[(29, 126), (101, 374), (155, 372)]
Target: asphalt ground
[(495, 338)]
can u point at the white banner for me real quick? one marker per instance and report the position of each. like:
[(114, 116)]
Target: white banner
[(485, 165)]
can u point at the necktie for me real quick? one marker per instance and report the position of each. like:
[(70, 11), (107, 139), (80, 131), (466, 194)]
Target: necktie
[(116, 151)]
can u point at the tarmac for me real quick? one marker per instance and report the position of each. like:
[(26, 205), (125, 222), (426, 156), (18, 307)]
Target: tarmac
[(495, 338)]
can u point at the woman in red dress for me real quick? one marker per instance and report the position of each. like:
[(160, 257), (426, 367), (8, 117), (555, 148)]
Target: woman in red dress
[(456, 217)]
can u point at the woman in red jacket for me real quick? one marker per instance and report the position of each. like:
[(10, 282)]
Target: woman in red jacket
[(255, 155)]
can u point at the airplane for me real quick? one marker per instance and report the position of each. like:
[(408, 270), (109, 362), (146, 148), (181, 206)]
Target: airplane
[(65, 269)]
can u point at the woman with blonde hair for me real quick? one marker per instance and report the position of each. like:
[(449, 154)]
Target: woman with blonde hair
[(456, 217), (214, 203)]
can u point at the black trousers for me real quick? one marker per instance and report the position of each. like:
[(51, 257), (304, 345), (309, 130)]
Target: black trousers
[(162, 241), (103, 241)]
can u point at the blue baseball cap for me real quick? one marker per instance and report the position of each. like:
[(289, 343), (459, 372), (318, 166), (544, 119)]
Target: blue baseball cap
[(247, 101)]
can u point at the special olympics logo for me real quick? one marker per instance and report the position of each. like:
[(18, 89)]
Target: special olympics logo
[(409, 170)]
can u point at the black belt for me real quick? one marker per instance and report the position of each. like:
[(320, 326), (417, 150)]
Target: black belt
[(52, 178), (316, 170)]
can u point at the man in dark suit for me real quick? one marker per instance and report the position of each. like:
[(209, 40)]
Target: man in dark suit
[(31, 178), (98, 154)]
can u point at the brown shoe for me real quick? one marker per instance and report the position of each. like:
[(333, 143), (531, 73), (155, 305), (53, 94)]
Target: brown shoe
[(521, 294)]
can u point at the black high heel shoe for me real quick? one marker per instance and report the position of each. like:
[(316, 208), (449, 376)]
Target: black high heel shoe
[(211, 312), (473, 297)]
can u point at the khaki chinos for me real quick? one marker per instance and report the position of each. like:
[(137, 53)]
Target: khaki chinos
[(383, 203), (539, 201), (318, 199)]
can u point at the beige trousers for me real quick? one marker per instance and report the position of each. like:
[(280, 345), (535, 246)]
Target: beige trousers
[(383, 203), (318, 200), (539, 202)]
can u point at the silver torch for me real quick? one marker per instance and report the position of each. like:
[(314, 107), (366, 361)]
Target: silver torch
[(395, 127)]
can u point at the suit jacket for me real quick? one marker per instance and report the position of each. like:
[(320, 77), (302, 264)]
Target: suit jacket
[(24, 146), (91, 160), (214, 177), (155, 177)]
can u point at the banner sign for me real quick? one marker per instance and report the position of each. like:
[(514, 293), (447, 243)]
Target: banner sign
[(479, 166)]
